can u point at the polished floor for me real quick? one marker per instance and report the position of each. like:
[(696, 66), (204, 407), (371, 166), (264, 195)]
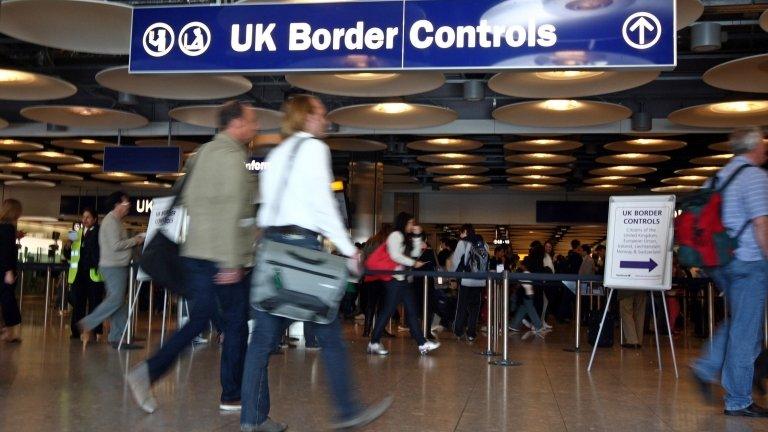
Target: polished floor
[(49, 383)]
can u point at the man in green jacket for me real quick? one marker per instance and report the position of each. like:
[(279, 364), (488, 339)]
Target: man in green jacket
[(219, 196)]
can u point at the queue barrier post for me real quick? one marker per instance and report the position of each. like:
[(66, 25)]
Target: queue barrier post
[(425, 308), (577, 347), (21, 288), (505, 361), (491, 322), (47, 295), (711, 311), (497, 312), (63, 293)]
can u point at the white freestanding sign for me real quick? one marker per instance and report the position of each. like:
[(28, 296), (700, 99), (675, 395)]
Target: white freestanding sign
[(639, 244), (639, 254), (162, 214)]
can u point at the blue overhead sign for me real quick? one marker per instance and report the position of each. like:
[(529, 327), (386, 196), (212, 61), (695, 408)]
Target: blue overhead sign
[(459, 35)]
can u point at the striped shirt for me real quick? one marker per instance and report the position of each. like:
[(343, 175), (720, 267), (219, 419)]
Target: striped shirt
[(745, 199)]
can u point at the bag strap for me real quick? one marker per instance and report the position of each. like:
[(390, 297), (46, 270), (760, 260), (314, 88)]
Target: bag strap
[(728, 183), (178, 188), (286, 176)]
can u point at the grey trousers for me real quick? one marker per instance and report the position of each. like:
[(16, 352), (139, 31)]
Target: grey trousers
[(632, 309), (114, 307)]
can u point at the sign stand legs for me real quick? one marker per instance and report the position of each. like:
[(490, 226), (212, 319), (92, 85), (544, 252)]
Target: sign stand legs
[(131, 310), (165, 312), (671, 339), (600, 331), (656, 328)]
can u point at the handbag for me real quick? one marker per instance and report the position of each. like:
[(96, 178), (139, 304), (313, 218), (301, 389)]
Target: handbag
[(295, 282), (380, 260), (161, 257)]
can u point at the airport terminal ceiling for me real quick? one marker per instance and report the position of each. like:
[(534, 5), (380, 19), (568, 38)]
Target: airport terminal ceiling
[(498, 154)]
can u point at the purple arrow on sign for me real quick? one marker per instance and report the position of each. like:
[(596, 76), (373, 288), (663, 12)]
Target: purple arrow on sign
[(650, 264)]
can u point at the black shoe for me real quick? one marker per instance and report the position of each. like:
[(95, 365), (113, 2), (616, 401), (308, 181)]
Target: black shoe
[(126, 346), (365, 416), (753, 410), (705, 388)]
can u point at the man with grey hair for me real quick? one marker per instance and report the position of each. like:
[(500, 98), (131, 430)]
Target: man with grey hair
[(744, 280)]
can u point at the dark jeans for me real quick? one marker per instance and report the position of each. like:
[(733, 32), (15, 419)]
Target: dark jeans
[(9, 305), (397, 292), (468, 310), (374, 303), (85, 296), (266, 334), (202, 295)]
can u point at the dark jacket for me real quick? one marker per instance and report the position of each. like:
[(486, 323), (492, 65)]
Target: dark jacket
[(89, 250), (8, 250)]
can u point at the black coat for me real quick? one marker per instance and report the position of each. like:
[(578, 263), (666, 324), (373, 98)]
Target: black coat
[(8, 250), (89, 250)]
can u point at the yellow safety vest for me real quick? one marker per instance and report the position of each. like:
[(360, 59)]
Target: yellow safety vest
[(75, 258)]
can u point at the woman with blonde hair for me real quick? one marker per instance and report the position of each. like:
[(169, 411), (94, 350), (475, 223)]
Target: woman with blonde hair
[(10, 212)]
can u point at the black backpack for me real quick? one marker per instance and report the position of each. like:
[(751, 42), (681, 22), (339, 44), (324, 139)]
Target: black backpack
[(477, 259), (593, 321)]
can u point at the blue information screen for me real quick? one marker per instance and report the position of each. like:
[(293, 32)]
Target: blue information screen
[(398, 35), (142, 160)]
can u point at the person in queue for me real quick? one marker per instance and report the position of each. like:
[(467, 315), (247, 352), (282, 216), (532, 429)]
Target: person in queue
[(470, 290), (218, 248), (300, 211), (373, 287), (84, 277), (115, 249), (731, 355), (525, 302), (404, 246), (10, 212)]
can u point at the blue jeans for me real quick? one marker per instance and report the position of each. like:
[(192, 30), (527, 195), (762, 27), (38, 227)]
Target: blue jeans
[(204, 297), (524, 309), (736, 344), (267, 331), (397, 292), (114, 306)]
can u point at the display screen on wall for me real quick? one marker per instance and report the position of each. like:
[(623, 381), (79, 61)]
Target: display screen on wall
[(571, 212), (142, 160)]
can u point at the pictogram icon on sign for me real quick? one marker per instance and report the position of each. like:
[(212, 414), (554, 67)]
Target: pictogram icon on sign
[(158, 39), (641, 30), (194, 39)]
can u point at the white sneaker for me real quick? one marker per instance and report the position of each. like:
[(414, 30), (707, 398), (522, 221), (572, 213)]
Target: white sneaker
[(546, 326), (377, 348), (231, 406), (360, 317), (402, 328), (514, 330), (428, 346), (541, 333), (527, 324)]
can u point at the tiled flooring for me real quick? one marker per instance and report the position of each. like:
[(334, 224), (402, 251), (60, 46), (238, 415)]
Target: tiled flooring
[(49, 383)]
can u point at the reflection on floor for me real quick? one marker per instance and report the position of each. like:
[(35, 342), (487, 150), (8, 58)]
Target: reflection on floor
[(49, 383)]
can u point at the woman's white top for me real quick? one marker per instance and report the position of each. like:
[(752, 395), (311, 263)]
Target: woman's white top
[(396, 251)]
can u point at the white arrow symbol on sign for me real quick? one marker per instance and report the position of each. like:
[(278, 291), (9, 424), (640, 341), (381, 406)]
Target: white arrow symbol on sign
[(639, 24), (642, 25)]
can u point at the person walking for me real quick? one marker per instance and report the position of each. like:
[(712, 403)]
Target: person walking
[(114, 258), (471, 255), (404, 246), (10, 212), (218, 248), (731, 355), (298, 208), (84, 277)]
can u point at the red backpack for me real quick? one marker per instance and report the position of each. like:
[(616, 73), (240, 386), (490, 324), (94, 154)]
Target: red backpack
[(379, 260), (699, 231)]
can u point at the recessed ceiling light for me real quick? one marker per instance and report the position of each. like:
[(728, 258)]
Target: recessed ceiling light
[(85, 111), (567, 75), (365, 76), (560, 104), (393, 107), (88, 141), (739, 107), (587, 5), (15, 77), (444, 141)]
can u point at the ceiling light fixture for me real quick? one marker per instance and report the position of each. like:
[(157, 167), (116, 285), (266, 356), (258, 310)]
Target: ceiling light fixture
[(10, 76), (560, 104), (393, 107), (567, 75), (739, 107), (365, 76), (84, 111)]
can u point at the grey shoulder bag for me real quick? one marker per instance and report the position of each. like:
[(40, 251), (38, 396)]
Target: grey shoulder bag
[(296, 282)]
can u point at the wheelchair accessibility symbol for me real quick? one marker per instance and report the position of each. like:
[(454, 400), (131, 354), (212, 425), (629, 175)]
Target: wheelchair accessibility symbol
[(194, 39), (641, 30), (158, 39)]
